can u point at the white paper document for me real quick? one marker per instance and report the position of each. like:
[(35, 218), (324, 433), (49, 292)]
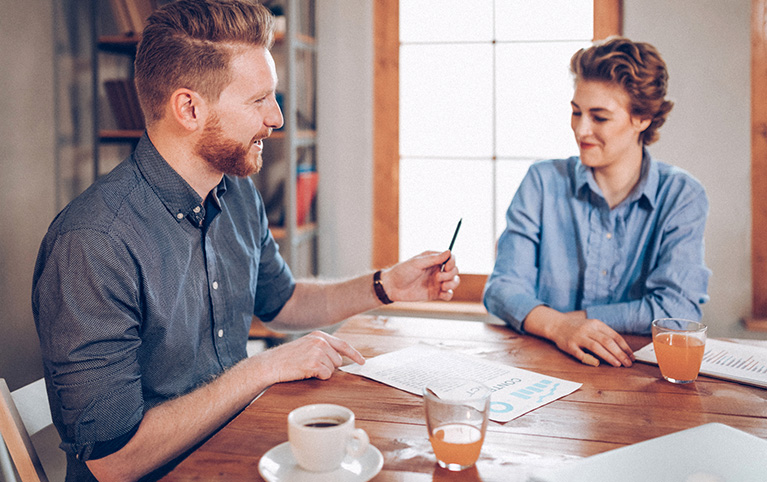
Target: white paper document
[(725, 359), (514, 391)]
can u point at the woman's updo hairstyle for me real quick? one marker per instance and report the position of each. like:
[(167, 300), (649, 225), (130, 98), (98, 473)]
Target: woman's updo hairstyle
[(635, 66)]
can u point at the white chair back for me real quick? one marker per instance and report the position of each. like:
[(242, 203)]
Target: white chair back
[(29, 435)]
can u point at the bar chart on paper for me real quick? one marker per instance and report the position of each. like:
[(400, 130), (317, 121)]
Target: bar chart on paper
[(738, 362)]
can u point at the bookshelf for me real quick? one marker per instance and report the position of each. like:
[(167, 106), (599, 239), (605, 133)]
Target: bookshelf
[(289, 175), (117, 119)]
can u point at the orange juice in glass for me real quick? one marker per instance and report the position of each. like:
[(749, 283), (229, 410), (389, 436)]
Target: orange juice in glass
[(456, 418), (679, 345), (456, 444)]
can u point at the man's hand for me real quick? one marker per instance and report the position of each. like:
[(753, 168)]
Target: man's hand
[(315, 355), (573, 332), (420, 279)]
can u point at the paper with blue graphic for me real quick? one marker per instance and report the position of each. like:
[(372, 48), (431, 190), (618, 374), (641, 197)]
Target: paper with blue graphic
[(514, 391)]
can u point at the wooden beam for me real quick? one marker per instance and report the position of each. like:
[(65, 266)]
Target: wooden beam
[(386, 133), (758, 163), (608, 18)]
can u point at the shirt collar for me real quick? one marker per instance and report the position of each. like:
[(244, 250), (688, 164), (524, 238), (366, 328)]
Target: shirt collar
[(646, 189), (218, 192), (179, 198), (648, 180)]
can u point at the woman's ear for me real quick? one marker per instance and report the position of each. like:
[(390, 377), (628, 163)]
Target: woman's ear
[(641, 124), (188, 109)]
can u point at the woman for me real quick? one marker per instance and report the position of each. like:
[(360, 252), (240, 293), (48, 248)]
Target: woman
[(605, 242)]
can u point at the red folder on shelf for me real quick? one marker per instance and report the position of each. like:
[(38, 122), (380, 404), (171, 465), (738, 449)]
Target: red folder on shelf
[(306, 190)]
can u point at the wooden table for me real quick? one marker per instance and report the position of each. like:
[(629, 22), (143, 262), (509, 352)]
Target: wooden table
[(613, 408)]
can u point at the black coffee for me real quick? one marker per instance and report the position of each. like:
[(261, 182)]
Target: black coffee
[(323, 423)]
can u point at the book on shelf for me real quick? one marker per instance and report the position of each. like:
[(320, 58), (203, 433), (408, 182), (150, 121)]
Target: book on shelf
[(131, 15), (306, 191), (307, 181), (120, 14), (123, 100)]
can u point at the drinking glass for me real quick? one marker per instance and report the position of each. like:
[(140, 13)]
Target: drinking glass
[(456, 417), (679, 345)]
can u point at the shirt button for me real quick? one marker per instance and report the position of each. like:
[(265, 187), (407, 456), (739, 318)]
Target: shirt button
[(196, 209), (604, 272), (215, 285), (220, 333), (180, 215), (609, 235)]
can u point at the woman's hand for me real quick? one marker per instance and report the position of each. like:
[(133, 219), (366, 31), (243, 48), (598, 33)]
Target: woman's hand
[(573, 332)]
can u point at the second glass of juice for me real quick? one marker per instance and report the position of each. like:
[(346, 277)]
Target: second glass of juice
[(456, 417), (679, 345)]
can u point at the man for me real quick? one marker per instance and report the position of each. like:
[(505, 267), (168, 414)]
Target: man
[(146, 284)]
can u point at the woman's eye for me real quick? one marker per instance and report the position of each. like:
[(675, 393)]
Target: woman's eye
[(576, 114), (599, 119)]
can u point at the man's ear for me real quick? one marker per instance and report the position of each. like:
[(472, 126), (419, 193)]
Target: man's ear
[(188, 109)]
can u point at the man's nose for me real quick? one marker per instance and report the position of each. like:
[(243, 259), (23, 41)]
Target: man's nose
[(274, 117)]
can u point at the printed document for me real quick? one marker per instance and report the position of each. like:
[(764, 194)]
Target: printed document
[(514, 391)]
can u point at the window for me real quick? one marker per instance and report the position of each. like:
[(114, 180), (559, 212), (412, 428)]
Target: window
[(478, 95)]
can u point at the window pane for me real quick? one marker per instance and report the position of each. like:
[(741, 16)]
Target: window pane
[(434, 195), (544, 20), (445, 20), (508, 175), (534, 90), (446, 100), (485, 90)]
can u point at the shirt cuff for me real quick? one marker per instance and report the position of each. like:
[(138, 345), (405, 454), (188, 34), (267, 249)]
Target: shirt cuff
[(618, 317), (102, 449)]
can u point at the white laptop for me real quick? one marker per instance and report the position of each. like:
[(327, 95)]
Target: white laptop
[(709, 453)]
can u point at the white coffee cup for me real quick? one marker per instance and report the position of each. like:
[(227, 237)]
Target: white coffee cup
[(321, 435)]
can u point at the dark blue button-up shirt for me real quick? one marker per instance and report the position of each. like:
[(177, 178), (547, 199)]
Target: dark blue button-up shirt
[(565, 248), (142, 291)]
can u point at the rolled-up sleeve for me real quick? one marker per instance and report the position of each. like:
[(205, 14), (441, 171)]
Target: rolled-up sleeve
[(84, 299)]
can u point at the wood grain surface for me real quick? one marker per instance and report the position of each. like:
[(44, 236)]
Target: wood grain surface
[(614, 407)]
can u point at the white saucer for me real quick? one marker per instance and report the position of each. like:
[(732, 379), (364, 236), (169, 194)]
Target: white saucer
[(278, 465)]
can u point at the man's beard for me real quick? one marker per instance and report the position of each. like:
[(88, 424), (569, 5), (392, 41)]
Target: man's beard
[(224, 154)]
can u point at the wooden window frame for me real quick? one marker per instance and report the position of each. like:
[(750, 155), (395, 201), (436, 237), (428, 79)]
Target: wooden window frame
[(758, 319), (608, 16)]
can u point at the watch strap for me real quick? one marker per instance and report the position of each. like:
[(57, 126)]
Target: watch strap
[(379, 289)]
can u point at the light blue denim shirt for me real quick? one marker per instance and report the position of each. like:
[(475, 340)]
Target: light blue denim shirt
[(563, 247)]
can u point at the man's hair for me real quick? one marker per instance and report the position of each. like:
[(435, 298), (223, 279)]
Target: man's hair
[(635, 66), (189, 44)]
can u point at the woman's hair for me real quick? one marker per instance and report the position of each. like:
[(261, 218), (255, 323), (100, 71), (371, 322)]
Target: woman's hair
[(189, 44), (635, 66)]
